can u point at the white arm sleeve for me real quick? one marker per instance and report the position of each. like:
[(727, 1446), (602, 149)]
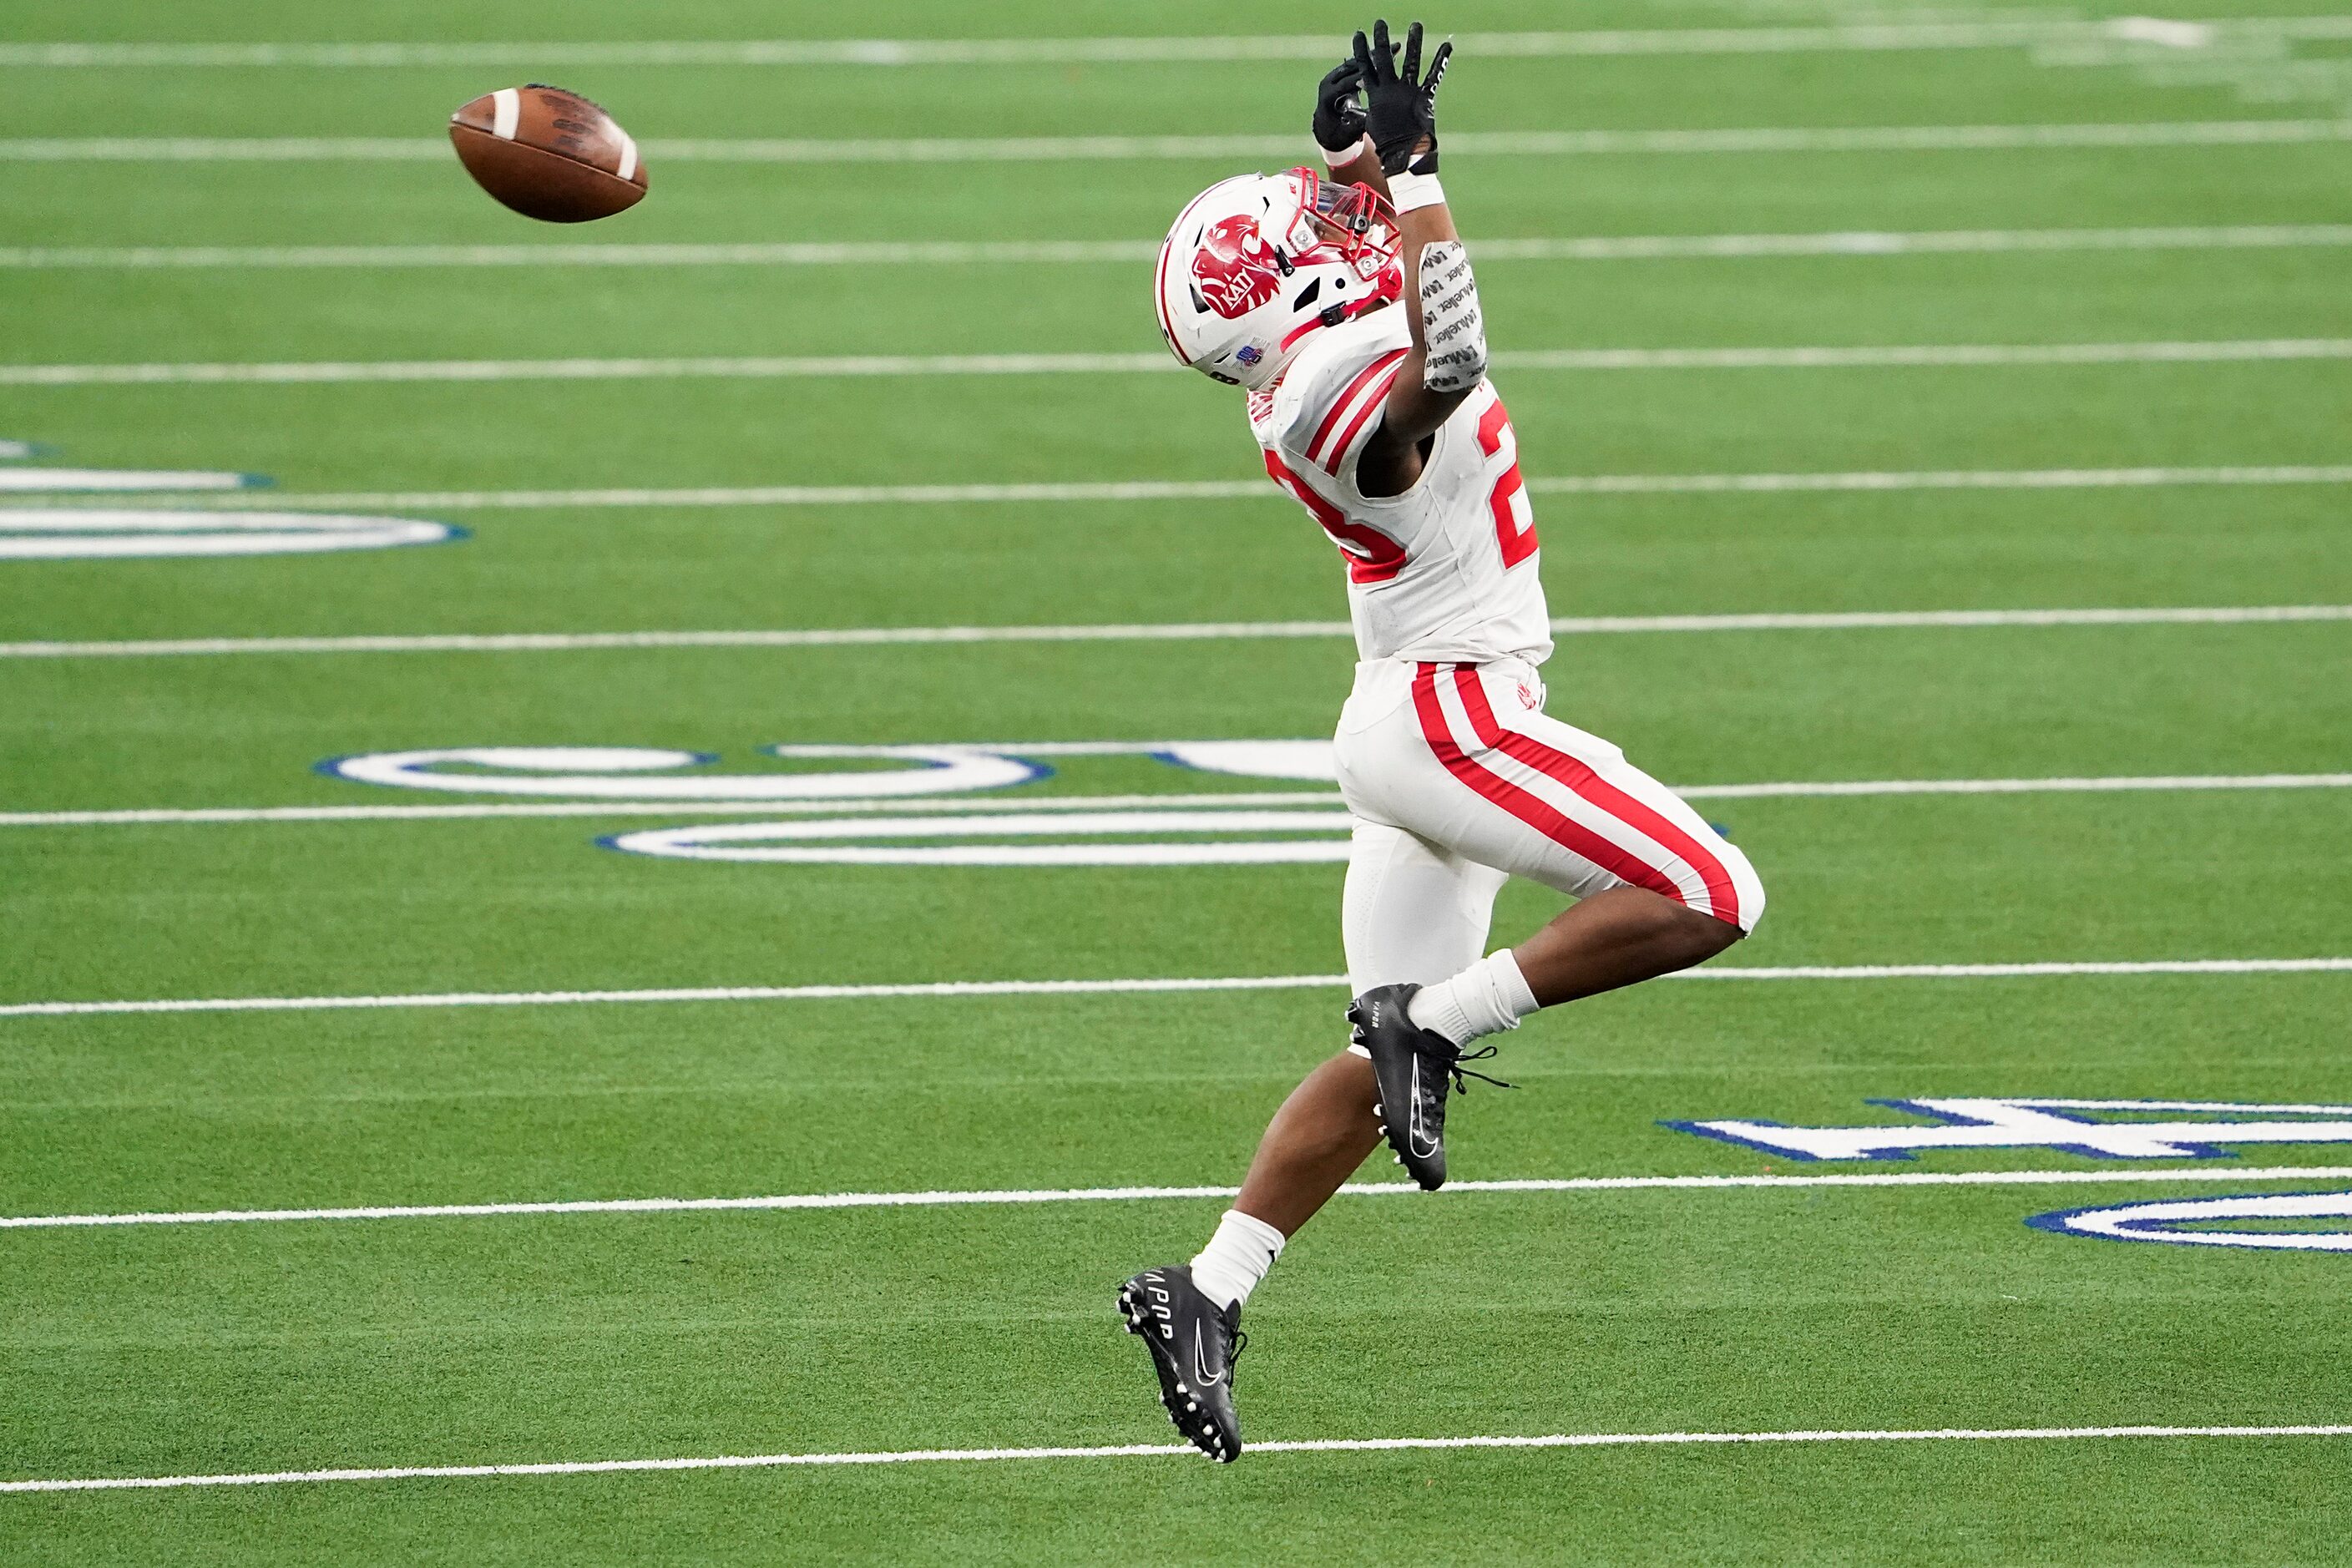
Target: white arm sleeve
[(1450, 321)]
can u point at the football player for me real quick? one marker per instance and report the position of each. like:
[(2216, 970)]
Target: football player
[(1346, 310)]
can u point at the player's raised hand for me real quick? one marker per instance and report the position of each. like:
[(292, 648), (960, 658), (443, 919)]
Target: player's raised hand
[(1400, 101), (1338, 117)]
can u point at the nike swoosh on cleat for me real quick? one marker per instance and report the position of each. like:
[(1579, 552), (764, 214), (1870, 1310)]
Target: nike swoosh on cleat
[(1422, 1146), (1200, 1365)]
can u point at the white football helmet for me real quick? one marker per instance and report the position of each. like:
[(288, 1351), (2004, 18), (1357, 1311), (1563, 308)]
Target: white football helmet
[(1257, 265)]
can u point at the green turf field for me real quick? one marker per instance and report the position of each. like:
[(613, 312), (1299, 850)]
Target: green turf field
[(167, 833)]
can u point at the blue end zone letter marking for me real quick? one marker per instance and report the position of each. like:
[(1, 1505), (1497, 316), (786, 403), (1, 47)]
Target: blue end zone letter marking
[(2133, 1129)]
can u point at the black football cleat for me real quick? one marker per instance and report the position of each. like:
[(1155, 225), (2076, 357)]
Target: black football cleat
[(1193, 1345), (1414, 1069)]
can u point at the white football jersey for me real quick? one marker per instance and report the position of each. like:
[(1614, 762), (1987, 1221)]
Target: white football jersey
[(1445, 572)]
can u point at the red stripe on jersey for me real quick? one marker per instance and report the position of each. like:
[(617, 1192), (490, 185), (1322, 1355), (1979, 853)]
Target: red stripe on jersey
[(1331, 420), (1530, 809), (1379, 396), (1722, 894)]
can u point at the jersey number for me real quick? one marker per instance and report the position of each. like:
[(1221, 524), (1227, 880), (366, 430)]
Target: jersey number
[(1371, 556), (1515, 519)]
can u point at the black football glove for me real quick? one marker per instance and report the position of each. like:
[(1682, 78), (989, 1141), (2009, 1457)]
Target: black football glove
[(1338, 117), (1399, 107)]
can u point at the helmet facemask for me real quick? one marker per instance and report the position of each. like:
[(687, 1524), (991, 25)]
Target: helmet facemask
[(1355, 220), (1270, 262)]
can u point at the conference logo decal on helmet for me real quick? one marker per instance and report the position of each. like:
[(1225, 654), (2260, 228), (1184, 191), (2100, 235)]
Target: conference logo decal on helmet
[(1234, 269)]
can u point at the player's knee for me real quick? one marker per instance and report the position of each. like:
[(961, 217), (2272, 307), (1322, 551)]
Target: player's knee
[(1735, 895), (1707, 933), (1749, 891), (1690, 924)]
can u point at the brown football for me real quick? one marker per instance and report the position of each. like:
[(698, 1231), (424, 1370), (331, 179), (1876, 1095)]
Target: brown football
[(549, 153)]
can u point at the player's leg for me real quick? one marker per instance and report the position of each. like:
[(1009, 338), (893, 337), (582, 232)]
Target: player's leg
[(1658, 888), (1493, 778), (1619, 937), (1411, 910)]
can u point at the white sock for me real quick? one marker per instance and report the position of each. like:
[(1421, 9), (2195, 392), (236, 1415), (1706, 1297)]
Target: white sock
[(1489, 995), (1236, 1257)]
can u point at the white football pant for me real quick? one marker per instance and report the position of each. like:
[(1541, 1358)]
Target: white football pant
[(1458, 781)]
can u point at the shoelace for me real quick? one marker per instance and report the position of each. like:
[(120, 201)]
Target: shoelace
[(1461, 1072)]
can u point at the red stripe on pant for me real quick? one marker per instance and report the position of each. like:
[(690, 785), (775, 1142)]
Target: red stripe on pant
[(1530, 809), (1722, 894)]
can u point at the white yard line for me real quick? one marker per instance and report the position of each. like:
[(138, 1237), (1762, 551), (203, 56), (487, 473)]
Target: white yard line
[(2018, 786), (949, 252), (1836, 38), (1947, 480), (767, 368), (928, 253), (1176, 631), (1119, 490), (1286, 147), (2018, 971), (682, 994), (967, 988), (198, 816), (812, 495), (1879, 242), (1002, 1196), (672, 808), (1161, 1451), (317, 372), (1848, 620), (1870, 355)]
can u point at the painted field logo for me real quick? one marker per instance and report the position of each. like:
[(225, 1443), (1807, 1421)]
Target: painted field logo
[(915, 805), (2122, 1129), (2105, 1130), (2232, 1222), (116, 534), (59, 533)]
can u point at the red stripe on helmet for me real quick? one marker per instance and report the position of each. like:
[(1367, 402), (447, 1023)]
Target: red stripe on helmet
[(1159, 298), (1159, 277)]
